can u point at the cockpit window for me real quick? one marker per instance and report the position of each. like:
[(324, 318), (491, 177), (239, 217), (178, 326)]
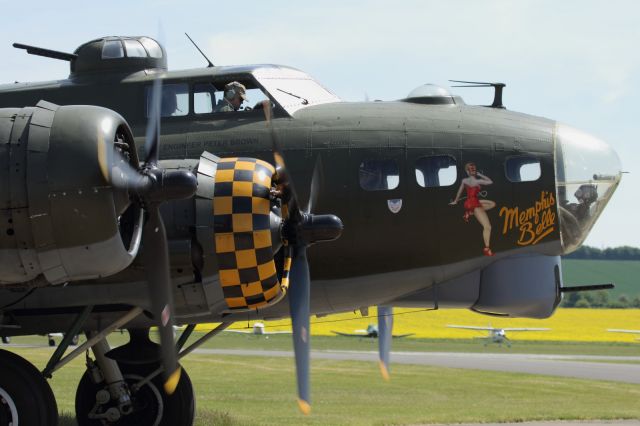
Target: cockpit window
[(112, 49), (379, 175), (204, 98), (293, 89), (134, 49), (522, 168), (174, 101), (152, 47), (436, 170), (209, 98)]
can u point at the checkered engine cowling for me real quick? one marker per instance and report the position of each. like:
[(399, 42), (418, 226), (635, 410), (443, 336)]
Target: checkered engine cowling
[(244, 249)]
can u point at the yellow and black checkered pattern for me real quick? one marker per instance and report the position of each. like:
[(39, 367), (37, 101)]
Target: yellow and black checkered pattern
[(241, 207)]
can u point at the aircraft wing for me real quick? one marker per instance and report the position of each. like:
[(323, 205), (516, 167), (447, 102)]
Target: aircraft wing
[(277, 332), (470, 327), (339, 333), (526, 329), (397, 336), (617, 330), (238, 331)]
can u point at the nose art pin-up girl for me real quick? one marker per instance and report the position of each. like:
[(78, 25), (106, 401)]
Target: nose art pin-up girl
[(474, 206)]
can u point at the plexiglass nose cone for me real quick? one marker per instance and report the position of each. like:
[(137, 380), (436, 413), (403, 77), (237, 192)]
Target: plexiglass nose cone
[(588, 171)]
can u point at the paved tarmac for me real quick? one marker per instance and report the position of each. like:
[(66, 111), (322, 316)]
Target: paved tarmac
[(559, 423), (578, 366)]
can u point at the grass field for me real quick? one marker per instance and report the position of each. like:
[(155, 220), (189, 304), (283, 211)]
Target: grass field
[(625, 274), (260, 391)]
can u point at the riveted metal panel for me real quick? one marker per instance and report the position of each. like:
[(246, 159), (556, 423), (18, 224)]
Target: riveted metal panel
[(24, 241), (6, 124), (18, 160), (38, 195), (204, 213)]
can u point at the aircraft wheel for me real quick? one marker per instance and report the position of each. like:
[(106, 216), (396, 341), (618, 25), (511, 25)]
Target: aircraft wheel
[(151, 406), (6, 339), (52, 342), (25, 396)]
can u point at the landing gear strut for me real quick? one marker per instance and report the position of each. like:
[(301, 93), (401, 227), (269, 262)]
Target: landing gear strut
[(148, 405), (25, 396)]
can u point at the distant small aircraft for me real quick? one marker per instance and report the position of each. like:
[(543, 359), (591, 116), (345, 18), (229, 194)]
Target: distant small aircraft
[(496, 335), (617, 330), (371, 332), (257, 330), (52, 342)]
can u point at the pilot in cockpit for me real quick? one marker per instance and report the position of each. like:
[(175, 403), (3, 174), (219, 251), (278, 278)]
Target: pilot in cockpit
[(234, 95)]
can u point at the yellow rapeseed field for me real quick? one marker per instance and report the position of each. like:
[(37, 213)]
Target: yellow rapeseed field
[(585, 325)]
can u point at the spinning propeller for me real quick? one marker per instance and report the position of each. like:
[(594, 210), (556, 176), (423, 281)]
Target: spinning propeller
[(152, 186), (385, 334), (300, 229)]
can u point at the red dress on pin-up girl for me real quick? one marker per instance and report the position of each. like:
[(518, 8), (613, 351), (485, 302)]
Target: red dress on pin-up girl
[(471, 202)]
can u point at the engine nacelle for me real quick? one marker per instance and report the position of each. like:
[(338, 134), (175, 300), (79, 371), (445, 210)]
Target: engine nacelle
[(61, 220), (245, 225)]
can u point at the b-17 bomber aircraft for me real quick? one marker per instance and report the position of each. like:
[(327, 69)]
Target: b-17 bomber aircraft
[(134, 197), (497, 335)]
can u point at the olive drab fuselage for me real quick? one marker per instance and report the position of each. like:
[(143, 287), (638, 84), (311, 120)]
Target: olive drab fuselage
[(389, 170)]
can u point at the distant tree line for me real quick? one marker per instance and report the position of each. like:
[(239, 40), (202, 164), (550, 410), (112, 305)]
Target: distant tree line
[(601, 299), (598, 299), (615, 253)]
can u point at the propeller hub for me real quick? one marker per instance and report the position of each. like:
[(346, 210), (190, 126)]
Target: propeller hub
[(168, 185), (312, 228)]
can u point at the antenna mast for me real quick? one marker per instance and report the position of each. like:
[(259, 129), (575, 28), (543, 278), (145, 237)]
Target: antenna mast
[(497, 95), (202, 53)]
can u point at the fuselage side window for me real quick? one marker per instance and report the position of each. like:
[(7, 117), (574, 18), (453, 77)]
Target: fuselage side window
[(436, 170), (523, 168), (174, 101), (204, 98), (379, 175)]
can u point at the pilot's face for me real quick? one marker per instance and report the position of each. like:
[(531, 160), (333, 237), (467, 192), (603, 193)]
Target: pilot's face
[(236, 101)]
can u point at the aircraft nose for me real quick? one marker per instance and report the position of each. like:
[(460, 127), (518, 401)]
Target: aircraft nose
[(588, 172)]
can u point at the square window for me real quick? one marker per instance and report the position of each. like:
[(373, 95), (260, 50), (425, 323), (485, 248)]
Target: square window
[(436, 170), (379, 175), (523, 168)]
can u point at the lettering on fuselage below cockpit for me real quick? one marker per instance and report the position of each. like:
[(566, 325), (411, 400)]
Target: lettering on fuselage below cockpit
[(533, 223)]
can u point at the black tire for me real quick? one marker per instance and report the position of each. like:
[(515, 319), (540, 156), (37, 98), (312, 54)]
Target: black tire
[(176, 410), (6, 340), (52, 342), (25, 392)]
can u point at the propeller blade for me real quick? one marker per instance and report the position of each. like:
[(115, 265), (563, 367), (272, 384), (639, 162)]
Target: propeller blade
[(284, 184), (315, 185), (152, 139), (156, 260), (299, 301), (153, 125), (385, 333)]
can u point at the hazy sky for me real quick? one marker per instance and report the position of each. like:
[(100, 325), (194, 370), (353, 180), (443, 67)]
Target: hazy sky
[(573, 61)]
